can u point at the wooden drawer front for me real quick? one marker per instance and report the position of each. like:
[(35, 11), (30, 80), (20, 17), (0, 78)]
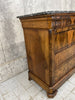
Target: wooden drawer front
[(64, 68), (63, 23), (64, 55), (64, 39)]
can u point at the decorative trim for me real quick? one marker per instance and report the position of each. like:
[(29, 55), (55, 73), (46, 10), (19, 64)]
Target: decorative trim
[(56, 85)]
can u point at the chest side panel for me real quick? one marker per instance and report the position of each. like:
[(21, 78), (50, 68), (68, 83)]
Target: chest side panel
[(37, 45)]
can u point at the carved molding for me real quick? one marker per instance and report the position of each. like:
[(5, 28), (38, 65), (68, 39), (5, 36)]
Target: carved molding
[(63, 22)]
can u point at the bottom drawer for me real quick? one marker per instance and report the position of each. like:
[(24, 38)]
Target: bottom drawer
[(64, 68)]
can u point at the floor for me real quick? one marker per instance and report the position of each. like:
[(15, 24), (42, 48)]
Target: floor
[(20, 88)]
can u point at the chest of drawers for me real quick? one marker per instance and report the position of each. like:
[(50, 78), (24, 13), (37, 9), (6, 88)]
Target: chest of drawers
[(50, 46)]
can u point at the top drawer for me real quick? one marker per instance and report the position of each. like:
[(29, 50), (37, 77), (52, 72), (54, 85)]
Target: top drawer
[(63, 21), (64, 39)]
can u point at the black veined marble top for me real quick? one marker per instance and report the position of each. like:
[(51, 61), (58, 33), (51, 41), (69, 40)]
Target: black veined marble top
[(45, 13)]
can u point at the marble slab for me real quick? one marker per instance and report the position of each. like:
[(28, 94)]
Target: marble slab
[(45, 13)]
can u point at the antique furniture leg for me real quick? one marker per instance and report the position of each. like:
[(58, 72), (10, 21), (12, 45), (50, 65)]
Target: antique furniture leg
[(51, 95), (29, 78)]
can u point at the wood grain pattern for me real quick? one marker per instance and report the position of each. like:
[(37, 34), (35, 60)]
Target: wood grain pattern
[(64, 55), (50, 47), (38, 41), (65, 68)]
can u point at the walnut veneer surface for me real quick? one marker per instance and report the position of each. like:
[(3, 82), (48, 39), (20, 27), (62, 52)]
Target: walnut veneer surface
[(50, 46)]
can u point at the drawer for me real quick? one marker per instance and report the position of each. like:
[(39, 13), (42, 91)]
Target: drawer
[(64, 39), (64, 68), (59, 22), (64, 55)]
